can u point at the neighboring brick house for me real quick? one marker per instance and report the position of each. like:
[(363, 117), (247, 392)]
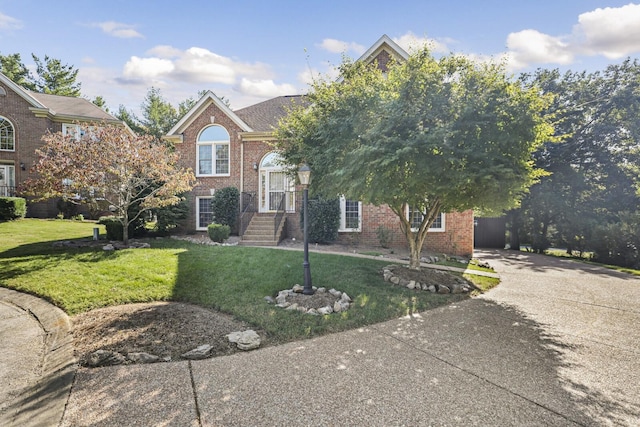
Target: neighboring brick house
[(232, 148), (25, 116)]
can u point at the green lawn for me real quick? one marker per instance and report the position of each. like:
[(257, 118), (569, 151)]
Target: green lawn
[(232, 279)]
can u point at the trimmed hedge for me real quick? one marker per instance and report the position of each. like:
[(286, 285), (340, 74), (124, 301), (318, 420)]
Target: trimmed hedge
[(12, 208), (225, 206), (324, 220), (218, 232), (113, 226)]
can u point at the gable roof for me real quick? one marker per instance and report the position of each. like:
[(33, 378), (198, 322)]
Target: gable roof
[(71, 107), (57, 107), (384, 43), (264, 116), (175, 134)]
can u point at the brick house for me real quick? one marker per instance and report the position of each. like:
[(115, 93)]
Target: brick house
[(232, 148), (25, 116)]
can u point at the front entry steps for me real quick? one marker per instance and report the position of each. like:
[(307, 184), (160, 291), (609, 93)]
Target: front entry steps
[(260, 231)]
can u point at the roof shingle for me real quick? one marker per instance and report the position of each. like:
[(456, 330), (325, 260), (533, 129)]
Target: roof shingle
[(264, 116)]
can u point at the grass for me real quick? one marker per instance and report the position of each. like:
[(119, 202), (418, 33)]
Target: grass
[(232, 279), (586, 258)]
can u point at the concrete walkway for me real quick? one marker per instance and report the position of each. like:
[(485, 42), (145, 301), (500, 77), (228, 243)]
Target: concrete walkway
[(556, 344), (36, 361)]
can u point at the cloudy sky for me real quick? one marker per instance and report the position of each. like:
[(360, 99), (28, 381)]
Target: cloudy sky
[(249, 51)]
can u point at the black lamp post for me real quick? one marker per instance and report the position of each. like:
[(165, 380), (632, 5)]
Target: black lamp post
[(304, 175)]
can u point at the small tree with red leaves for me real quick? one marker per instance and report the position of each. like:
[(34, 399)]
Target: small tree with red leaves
[(109, 162)]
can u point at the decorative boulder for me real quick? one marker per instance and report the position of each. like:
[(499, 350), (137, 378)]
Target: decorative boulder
[(247, 340)]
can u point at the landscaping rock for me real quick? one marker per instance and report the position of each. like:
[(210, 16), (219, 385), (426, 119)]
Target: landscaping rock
[(142, 357), (325, 310), (105, 358), (335, 293), (442, 289), (201, 352), (247, 340)]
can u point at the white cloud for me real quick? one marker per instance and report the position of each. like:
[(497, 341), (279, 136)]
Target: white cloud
[(265, 88), (609, 32), (531, 46), (338, 46), (194, 65), (9, 23), (411, 42), (164, 51), (612, 32), (145, 69), (118, 29)]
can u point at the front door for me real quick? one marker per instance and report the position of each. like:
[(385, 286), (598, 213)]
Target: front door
[(274, 186)]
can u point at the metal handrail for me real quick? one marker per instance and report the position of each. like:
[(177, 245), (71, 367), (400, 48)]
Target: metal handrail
[(248, 210), (279, 215), (7, 191)]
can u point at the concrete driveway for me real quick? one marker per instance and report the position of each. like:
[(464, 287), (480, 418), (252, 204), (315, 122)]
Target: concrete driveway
[(556, 344), (588, 320)]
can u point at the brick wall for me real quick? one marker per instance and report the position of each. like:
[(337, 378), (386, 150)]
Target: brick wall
[(457, 239), (253, 153), (28, 131)]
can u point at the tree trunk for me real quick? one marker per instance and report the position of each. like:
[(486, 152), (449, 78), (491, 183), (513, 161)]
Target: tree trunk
[(125, 228), (414, 259)]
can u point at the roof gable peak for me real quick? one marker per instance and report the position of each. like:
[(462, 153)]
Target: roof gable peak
[(207, 99), (384, 43)]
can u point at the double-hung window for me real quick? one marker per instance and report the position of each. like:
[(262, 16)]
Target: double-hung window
[(212, 154), (350, 215), (416, 216), (7, 135), (204, 212)]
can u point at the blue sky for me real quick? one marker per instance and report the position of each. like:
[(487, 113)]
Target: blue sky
[(249, 51)]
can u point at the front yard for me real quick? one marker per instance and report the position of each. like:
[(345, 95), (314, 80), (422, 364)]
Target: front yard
[(233, 280)]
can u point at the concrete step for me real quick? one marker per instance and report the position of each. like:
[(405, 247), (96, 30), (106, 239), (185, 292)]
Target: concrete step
[(245, 242)]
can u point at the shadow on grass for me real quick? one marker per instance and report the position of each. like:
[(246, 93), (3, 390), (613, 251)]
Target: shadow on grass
[(33, 257), (236, 280)]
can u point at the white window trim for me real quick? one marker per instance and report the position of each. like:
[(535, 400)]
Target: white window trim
[(14, 136), (198, 198), (343, 217), (72, 129), (212, 144), (432, 229)]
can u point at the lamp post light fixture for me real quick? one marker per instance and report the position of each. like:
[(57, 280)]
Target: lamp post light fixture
[(304, 175)]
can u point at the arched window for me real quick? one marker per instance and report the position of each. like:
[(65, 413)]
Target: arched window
[(7, 135), (212, 153)]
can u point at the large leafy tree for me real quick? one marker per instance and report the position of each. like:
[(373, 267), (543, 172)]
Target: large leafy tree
[(52, 76), (594, 176), (428, 136), (12, 67), (158, 115), (109, 161), (56, 78)]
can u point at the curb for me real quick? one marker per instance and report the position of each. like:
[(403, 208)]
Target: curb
[(43, 403)]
